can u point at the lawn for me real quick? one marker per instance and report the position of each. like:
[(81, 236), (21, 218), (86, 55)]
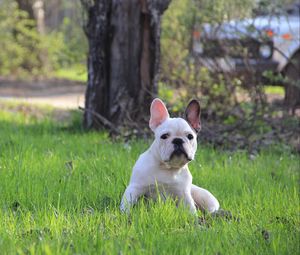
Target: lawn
[(75, 73), (60, 190)]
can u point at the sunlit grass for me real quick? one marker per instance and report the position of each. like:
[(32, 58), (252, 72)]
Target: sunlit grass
[(279, 90), (75, 73), (60, 189)]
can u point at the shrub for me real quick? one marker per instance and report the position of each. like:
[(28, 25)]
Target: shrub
[(181, 70), (19, 41), (25, 53)]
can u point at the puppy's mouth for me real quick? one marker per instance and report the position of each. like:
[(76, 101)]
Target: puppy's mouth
[(179, 152)]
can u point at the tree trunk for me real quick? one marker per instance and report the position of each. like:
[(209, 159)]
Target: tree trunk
[(292, 84), (54, 13), (123, 59)]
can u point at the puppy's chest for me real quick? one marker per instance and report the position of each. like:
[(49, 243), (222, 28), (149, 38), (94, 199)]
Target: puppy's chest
[(164, 185), (163, 190)]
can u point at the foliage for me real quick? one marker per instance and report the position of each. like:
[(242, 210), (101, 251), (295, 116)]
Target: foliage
[(74, 44), (180, 70), (214, 11), (274, 90), (19, 43), (232, 101), (60, 191), (235, 111), (25, 53)]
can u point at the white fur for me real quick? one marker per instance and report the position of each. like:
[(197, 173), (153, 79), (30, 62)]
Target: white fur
[(156, 170)]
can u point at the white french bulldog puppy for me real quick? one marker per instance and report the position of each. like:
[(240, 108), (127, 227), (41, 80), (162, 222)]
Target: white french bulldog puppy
[(163, 168)]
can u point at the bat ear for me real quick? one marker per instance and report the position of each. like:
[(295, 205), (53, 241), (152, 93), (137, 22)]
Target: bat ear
[(192, 115), (159, 113)]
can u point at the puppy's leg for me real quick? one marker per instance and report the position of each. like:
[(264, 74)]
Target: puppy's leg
[(204, 199), (189, 202), (130, 197)]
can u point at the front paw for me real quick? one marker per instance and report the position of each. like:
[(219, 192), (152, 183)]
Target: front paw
[(125, 207), (193, 209)]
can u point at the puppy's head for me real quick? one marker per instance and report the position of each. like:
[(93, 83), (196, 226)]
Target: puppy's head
[(175, 138)]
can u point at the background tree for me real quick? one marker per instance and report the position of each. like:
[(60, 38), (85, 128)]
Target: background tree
[(35, 10), (123, 59)]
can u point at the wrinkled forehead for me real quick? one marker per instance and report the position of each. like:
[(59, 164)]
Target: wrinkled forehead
[(174, 126)]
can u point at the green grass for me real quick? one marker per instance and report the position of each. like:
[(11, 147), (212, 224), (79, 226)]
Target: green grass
[(76, 73), (279, 90), (60, 189)]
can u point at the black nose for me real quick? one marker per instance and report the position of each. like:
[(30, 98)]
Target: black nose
[(177, 141)]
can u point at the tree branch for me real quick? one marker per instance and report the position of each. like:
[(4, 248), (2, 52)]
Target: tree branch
[(102, 119)]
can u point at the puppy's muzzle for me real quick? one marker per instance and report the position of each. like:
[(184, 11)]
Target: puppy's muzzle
[(178, 149)]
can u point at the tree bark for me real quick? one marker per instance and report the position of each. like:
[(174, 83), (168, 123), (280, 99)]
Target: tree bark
[(123, 59), (292, 84)]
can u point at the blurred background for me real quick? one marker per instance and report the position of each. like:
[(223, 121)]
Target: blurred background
[(241, 58)]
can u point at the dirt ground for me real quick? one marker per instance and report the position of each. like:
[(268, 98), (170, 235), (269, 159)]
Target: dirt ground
[(59, 93), (55, 92)]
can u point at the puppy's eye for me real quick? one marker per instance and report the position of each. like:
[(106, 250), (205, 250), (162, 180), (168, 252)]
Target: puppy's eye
[(165, 136), (190, 136)]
